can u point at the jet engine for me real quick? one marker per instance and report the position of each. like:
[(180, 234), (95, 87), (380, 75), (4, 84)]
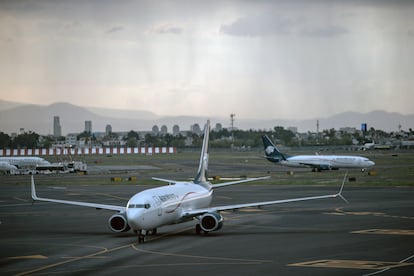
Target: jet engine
[(119, 223), (211, 222)]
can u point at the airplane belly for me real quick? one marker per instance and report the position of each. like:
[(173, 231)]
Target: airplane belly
[(294, 164)]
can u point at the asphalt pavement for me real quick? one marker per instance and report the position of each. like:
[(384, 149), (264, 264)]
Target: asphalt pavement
[(371, 235)]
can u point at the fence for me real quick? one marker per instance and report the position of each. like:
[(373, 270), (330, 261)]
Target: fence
[(87, 151)]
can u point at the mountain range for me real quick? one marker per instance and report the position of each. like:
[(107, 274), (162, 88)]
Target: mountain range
[(39, 118)]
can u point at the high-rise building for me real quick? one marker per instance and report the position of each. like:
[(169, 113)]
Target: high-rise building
[(108, 130), (155, 130), (176, 130), (164, 130), (88, 126), (57, 128)]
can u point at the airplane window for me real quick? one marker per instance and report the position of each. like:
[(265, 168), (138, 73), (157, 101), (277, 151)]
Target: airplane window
[(146, 206)]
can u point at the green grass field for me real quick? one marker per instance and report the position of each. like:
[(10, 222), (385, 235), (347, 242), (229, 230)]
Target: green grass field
[(393, 168)]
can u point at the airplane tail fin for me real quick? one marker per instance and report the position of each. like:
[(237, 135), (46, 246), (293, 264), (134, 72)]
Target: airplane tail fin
[(271, 151), (201, 177)]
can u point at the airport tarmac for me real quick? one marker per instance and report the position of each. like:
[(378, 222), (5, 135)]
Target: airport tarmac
[(372, 235)]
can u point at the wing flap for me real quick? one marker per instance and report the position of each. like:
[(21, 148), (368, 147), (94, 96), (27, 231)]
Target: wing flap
[(197, 212)]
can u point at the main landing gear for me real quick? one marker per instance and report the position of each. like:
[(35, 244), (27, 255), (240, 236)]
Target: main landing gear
[(199, 230), (143, 233)]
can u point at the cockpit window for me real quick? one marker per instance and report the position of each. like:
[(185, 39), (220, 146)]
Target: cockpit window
[(146, 206)]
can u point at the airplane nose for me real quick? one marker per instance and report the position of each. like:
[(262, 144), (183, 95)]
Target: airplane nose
[(371, 163), (134, 217)]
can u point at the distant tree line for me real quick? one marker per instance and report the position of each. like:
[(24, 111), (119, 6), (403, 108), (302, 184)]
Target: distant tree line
[(223, 138), (25, 140)]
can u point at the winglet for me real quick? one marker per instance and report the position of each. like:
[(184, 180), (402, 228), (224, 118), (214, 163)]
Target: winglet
[(342, 188), (33, 188)]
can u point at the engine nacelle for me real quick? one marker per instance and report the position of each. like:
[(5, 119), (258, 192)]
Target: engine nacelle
[(211, 222), (119, 223)]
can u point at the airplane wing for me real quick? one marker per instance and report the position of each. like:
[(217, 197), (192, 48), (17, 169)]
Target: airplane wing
[(169, 181), (197, 212), (239, 181), (217, 185), (85, 204)]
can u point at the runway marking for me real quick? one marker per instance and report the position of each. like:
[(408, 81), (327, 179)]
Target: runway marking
[(112, 196), (352, 264), (90, 256), (385, 232), (20, 199), (93, 257), (251, 210), (201, 257), (232, 260), (134, 246), (340, 212), (386, 269), (105, 250), (27, 257), (57, 187)]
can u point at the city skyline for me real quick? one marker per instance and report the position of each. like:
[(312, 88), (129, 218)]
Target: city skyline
[(39, 118), (289, 60)]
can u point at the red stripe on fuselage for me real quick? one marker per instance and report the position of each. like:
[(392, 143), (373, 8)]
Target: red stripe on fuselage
[(179, 203)]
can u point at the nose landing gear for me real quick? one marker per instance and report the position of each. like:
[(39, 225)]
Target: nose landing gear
[(143, 233)]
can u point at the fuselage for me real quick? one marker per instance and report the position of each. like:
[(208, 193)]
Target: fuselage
[(155, 207), (328, 161), (20, 161)]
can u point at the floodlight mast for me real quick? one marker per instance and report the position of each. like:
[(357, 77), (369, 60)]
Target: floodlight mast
[(232, 115)]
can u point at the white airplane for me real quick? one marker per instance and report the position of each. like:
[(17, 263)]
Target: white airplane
[(316, 162), (178, 202), (369, 145), (18, 162)]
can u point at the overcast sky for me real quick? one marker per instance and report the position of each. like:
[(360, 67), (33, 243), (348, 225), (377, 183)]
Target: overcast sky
[(258, 59)]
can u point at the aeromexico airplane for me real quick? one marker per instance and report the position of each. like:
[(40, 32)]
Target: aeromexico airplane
[(15, 162), (178, 202), (316, 162)]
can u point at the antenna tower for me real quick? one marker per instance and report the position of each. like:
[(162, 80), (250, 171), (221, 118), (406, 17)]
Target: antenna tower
[(232, 115)]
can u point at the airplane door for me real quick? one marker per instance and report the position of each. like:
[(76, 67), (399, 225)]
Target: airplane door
[(159, 205)]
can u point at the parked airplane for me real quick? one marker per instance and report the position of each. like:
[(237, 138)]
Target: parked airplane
[(368, 146), (178, 202), (316, 162), (17, 162), (373, 146)]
